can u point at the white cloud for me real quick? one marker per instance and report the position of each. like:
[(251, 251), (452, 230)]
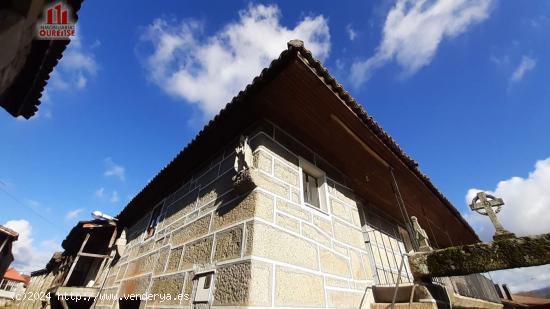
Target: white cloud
[(37, 206), (539, 22), (76, 67), (527, 64), (73, 213), (500, 61), (526, 204), (100, 193), (208, 71), (352, 34), (523, 279), (414, 29), (48, 114), (28, 256), (525, 213), (34, 204), (95, 44), (114, 197), (114, 170)]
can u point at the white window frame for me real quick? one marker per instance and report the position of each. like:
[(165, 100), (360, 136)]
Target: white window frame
[(203, 295), (160, 207), (316, 172), (384, 274)]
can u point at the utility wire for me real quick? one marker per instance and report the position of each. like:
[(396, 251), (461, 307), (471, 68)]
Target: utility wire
[(13, 197)]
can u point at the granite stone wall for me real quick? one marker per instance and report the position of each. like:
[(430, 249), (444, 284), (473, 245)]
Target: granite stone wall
[(266, 247), (201, 228), (316, 258)]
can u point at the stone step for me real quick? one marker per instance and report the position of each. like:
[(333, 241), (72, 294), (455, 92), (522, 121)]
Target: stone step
[(385, 293), (421, 296), (416, 305)]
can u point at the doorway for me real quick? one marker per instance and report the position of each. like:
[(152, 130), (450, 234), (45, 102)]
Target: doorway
[(129, 303)]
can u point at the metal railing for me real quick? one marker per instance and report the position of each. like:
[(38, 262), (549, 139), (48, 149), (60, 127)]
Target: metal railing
[(399, 280), (473, 286)]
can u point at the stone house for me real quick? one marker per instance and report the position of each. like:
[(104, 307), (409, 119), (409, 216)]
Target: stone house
[(292, 196), (75, 271)]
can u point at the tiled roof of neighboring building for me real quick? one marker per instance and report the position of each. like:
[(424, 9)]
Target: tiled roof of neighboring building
[(13, 274), (296, 49)]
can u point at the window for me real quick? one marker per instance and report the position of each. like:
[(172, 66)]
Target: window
[(313, 185), (204, 285), (387, 246), (3, 284), (311, 190), (8, 285), (153, 222), (207, 281)]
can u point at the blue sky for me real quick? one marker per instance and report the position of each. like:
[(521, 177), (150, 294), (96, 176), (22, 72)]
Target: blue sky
[(461, 85)]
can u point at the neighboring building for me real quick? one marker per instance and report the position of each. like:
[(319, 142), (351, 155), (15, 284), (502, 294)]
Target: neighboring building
[(529, 300), (74, 272), (292, 196), (521, 301), (7, 237), (12, 283), (25, 62), (41, 281)]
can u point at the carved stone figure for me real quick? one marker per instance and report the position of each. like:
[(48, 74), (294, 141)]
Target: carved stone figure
[(242, 181), (243, 157), (421, 236)]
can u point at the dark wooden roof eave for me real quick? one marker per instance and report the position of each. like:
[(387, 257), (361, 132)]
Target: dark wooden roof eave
[(162, 187), (236, 115), (22, 98), (380, 133)]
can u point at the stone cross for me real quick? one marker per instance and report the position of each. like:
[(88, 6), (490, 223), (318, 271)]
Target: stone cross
[(483, 204), (421, 236)]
